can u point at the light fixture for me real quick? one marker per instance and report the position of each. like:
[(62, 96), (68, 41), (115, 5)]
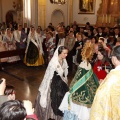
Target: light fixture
[(59, 2)]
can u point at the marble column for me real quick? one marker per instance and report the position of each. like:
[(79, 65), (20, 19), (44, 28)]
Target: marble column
[(30, 12), (27, 12), (34, 13)]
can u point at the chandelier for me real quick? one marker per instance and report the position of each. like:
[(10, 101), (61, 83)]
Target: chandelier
[(59, 2)]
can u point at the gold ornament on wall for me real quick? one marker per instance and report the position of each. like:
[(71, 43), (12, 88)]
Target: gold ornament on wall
[(86, 6), (58, 2)]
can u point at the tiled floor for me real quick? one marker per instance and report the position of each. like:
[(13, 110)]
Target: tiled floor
[(26, 80)]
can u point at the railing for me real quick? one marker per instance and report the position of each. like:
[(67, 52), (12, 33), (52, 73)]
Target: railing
[(10, 53)]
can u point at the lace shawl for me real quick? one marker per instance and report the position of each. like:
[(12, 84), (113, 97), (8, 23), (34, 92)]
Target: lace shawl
[(52, 67), (85, 65), (32, 39), (7, 38)]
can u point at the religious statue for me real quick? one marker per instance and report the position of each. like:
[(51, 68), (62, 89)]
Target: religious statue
[(86, 5)]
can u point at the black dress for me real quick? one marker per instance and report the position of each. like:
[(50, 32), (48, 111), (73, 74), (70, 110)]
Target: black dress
[(55, 94), (58, 90)]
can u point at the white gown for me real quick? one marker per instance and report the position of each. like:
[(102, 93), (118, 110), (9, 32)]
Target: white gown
[(82, 112)]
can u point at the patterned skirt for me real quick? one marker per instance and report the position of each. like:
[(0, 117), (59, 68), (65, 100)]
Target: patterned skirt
[(33, 57)]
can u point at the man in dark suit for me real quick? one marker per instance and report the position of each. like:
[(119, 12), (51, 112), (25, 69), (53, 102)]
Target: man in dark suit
[(116, 34), (26, 29), (100, 32)]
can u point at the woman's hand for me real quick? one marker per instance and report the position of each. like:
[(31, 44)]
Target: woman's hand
[(2, 86), (101, 80), (28, 107)]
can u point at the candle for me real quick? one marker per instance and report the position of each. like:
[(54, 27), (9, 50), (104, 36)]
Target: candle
[(103, 18), (106, 18), (109, 18)]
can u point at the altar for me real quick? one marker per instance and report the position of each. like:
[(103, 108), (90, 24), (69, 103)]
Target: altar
[(108, 14)]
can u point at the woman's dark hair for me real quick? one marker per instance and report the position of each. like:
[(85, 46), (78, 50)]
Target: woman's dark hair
[(61, 48), (96, 40), (9, 90), (105, 55), (87, 23), (116, 52), (111, 39), (12, 110)]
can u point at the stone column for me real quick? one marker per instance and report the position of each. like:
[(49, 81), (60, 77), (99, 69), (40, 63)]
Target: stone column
[(70, 12)]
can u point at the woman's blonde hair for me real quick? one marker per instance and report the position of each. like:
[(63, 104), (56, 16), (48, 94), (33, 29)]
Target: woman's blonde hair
[(87, 51)]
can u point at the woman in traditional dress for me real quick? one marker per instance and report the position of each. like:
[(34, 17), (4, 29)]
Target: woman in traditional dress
[(77, 102), (33, 53), (48, 47), (53, 87), (39, 33), (10, 45)]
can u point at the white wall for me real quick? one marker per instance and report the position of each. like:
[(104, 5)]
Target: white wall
[(50, 9), (57, 17), (80, 18), (6, 6), (83, 18)]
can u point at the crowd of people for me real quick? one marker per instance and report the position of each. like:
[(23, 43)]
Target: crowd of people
[(40, 44), (95, 52)]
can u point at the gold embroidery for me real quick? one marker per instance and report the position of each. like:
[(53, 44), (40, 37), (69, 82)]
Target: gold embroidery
[(87, 94)]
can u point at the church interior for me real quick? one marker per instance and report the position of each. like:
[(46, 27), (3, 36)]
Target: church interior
[(40, 14)]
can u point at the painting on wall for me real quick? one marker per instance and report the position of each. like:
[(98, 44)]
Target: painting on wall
[(86, 6)]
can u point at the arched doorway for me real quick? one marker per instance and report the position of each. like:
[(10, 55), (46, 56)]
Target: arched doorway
[(57, 17), (11, 16)]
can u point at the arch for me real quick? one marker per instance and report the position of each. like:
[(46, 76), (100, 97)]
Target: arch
[(11, 16), (57, 17)]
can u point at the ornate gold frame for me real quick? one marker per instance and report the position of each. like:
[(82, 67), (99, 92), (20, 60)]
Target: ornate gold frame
[(86, 6)]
